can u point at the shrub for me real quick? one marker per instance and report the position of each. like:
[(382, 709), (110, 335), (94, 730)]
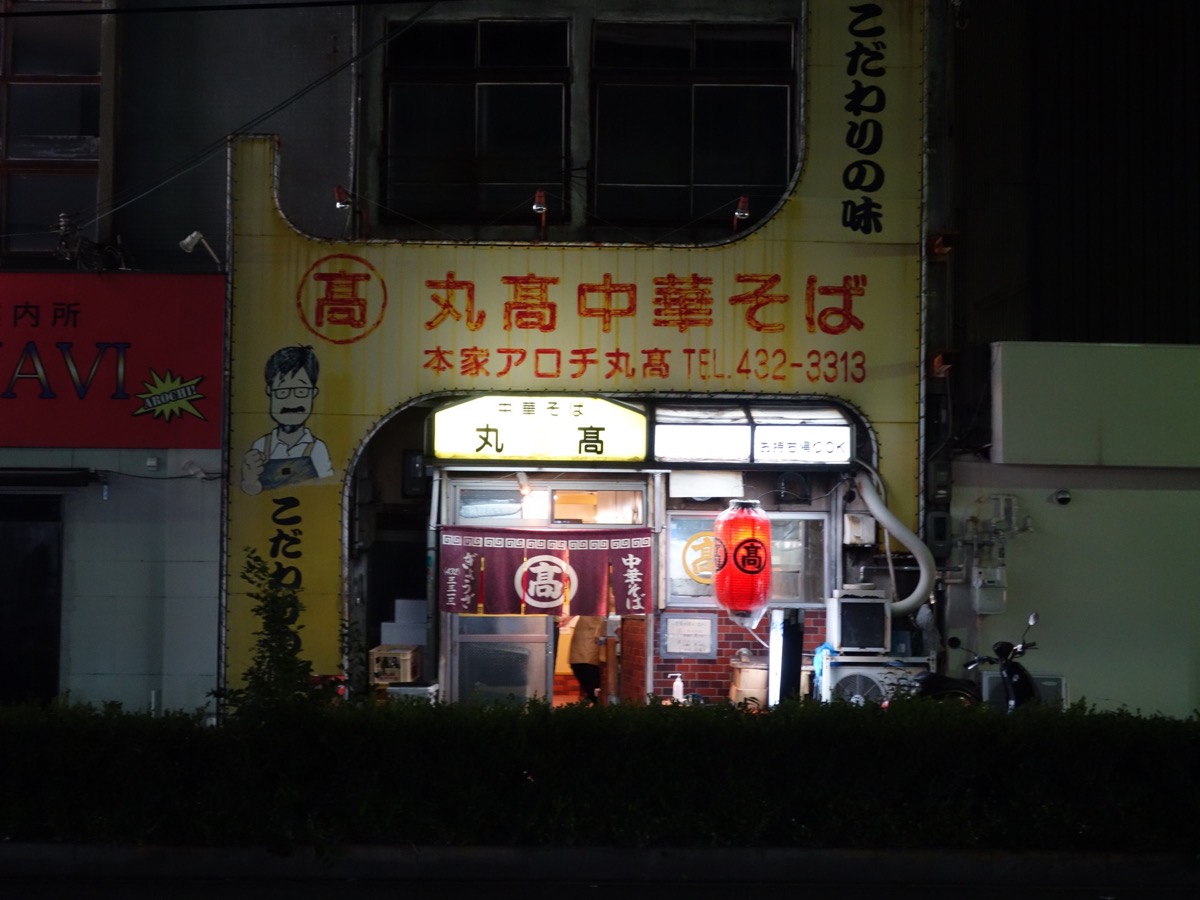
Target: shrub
[(798, 775), (278, 679)]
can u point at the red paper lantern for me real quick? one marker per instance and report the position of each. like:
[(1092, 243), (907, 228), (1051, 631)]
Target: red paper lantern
[(742, 550)]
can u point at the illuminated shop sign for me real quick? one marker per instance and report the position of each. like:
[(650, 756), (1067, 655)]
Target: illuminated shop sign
[(702, 443), (521, 427), (580, 428), (803, 444), (811, 437), (117, 361)]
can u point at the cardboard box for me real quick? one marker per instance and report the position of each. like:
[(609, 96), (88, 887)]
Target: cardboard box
[(395, 664)]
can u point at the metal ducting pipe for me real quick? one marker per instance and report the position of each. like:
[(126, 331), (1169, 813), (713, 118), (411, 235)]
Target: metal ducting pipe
[(924, 558)]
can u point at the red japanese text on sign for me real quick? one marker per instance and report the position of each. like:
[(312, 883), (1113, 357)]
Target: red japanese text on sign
[(681, 303)]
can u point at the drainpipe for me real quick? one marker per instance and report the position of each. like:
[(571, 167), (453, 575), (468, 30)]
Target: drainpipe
[(888, 520)]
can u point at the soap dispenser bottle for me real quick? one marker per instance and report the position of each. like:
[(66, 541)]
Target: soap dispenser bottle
[(677, 688)]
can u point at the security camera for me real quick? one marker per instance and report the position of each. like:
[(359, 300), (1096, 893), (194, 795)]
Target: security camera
[(1062, 498)]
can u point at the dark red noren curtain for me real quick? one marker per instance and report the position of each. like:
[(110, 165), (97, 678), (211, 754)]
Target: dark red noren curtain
[(538, 572)]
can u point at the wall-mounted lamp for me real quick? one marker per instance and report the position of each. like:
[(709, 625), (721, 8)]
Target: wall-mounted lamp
[(344, 199), (539, 209), (188, 244), (941, 245), (194, 470), (523, 484), (742, 211)]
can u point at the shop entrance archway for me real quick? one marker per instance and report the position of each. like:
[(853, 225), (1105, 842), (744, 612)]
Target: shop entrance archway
[(406, 498), (504, 641)]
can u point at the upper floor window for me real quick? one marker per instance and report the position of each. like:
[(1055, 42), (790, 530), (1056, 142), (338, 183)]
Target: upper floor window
[(688, 119), (476, 120), (49, 121), (613, 130)]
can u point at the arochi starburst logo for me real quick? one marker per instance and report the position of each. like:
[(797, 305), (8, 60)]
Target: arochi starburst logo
[(169, 395)]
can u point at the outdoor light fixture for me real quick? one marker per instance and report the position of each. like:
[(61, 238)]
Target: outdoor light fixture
[(188, 244), (742, 212), (742, 559), (539, 209), (345, 199)]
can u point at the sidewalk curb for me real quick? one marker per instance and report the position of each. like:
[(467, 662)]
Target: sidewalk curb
[(601, 864)]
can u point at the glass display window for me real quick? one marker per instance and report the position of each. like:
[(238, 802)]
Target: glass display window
[(504, 501), (798, 559)]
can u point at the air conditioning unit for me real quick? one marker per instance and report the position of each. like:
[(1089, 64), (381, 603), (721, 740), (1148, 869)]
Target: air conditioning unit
[(1052, 689), (867, 683), (859, 621)]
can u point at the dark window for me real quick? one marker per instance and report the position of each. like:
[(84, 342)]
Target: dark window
[(476, 121), (744, 48), (689, 118), (49, 123), (682, 121), (31, 601), (621, 46)]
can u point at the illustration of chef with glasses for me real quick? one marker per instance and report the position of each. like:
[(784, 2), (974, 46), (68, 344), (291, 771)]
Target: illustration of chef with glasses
[(289, 453)]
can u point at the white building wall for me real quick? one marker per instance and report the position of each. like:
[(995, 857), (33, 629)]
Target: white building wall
[(191, 586), (1110, 575), (1112, 572), (140, 577)]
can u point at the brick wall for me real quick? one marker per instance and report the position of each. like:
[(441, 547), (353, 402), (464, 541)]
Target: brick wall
[(566, 688), (814, 632), (710, 678), (632, 685)]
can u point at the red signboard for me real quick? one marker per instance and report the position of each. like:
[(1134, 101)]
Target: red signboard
[(510, 571), (116, 360)]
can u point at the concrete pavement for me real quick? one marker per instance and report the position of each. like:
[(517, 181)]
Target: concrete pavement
[(499, 872)]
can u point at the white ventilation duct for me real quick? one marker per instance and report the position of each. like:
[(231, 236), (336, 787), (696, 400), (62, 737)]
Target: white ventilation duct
[(924, 558)]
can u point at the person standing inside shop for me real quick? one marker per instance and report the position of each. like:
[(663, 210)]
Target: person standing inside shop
[(586, 642)]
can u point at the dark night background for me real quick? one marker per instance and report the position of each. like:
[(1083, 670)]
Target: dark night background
[(1074, 181)]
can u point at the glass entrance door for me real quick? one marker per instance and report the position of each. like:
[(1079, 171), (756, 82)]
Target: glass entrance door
[(512, 657), (507, 658)]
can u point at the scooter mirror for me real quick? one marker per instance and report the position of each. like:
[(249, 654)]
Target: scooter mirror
[(1033, 619)]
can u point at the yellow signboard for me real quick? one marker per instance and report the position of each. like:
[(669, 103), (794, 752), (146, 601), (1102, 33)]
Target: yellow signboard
[(563, 428), (821, 300)]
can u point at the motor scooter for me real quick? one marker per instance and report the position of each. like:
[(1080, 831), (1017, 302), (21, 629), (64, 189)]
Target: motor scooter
[(1019, 687)]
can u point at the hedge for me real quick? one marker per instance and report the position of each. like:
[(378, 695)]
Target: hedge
[(803, 774)]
